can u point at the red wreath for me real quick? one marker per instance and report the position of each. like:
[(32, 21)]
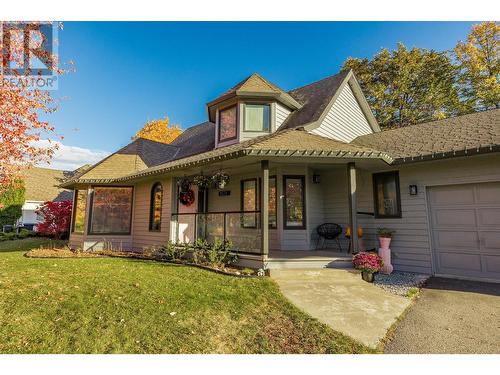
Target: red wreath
[(186, 197)]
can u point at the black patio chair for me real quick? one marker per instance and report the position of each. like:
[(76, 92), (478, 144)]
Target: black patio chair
[(328, 232)]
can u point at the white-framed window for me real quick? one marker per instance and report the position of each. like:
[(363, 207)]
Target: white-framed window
[(257, 118)]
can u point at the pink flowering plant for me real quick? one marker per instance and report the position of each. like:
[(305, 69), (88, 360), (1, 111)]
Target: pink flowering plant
[(367, 262)]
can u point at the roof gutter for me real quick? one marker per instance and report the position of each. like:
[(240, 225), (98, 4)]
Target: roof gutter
[(448, 154)]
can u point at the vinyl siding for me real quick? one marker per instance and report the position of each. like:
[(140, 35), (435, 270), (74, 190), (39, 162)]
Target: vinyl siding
[(335, 200), (75, 241), (282, 113), (315, 214), (142, 236), (411, 245), (345, 119)]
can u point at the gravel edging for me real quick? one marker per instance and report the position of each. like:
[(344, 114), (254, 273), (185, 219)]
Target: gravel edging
[(400, 283)]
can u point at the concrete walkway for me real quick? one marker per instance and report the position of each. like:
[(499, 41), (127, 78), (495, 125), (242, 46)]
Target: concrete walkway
[(341, 299), (451, 316)]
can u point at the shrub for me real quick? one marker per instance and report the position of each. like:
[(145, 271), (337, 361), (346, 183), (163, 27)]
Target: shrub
[(218, 253), (175, 251), (56, 218), (199, 251), (16, 236), (11, 203), (367, 262)]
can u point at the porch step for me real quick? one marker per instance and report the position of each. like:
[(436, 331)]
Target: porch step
[(337, 262)]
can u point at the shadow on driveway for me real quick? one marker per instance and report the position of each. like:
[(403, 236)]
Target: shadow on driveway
[(451, 316)]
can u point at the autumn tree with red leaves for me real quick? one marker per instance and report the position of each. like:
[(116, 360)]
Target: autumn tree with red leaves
[(20, 109), (56, 219)]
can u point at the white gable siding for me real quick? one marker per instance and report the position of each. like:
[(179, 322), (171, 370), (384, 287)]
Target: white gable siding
[(345, 120), (282, 113)]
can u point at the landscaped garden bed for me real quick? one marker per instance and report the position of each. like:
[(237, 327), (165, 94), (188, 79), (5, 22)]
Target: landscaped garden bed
[(213, 257)]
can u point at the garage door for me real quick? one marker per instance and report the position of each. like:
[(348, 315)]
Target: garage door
[(465, 225)]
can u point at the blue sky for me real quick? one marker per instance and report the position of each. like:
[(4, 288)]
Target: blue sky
[(131, 72)]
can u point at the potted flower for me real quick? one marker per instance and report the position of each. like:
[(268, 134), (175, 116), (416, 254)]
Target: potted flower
[(220, 179), (368, 264), (203, 182), (384, 237)]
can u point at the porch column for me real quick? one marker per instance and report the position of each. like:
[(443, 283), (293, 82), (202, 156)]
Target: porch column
[(353, 207), (264, 208)]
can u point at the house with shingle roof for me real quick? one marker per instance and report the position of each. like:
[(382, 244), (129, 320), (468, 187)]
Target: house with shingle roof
[(276, 165), (42, 185)]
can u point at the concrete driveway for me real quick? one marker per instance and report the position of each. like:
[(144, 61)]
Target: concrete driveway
[(341, 299), (451, 316)]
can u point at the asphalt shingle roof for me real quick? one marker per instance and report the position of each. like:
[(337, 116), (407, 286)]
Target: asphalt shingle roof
[(467, 132), (42, 184), (196, 144), (291, 142), (314, 99)]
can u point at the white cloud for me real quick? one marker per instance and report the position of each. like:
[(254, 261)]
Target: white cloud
[(71, 157)]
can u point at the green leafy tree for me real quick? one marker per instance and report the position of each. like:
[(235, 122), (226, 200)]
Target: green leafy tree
[(11, 203), (407, 86), (479, 62)]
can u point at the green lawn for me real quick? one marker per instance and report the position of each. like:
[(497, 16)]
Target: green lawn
[(112, 305)]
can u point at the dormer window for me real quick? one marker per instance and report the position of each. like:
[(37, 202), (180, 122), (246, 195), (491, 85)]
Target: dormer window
[(228, 121), (257, 118)]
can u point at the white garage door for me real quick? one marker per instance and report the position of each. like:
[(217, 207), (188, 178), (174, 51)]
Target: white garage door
[(465, 225)]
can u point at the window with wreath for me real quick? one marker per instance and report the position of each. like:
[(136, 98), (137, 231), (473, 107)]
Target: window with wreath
[(155, 208), (386, 195), (228, 123), (111, 210)]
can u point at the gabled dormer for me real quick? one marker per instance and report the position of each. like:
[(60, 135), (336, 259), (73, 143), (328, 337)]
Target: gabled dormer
[(252, 108)]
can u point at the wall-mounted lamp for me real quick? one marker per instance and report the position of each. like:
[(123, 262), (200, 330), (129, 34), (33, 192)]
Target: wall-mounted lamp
[(413, 190), (316, 178)]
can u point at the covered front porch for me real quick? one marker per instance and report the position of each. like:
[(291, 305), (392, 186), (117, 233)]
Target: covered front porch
[(270, 210)]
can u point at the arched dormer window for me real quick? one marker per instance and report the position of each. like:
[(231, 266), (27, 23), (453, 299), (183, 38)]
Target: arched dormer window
[(155, 208)]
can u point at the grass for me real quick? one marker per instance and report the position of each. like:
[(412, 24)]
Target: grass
[(113, 305), (413, 293)]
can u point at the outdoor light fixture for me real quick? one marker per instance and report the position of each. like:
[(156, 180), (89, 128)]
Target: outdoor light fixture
[(413, 190), (316, 178)]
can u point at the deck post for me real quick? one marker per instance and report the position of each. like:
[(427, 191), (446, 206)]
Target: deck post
[(353, 207), (264, 208)]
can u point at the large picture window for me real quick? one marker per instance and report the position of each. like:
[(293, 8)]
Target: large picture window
[(294, 209), (79, 211), (257, 117), (155, 209), (249, 202), (228, 124), (111, 210), (386, 195)]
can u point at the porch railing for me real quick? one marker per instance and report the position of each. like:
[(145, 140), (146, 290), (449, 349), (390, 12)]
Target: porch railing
[(242, 228)]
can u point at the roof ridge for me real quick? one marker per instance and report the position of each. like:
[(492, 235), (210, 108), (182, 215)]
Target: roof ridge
[(320, 80)]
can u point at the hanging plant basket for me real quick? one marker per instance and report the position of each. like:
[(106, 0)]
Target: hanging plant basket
[(186, 198), (220, 180), (203, 182), (184, 184)]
